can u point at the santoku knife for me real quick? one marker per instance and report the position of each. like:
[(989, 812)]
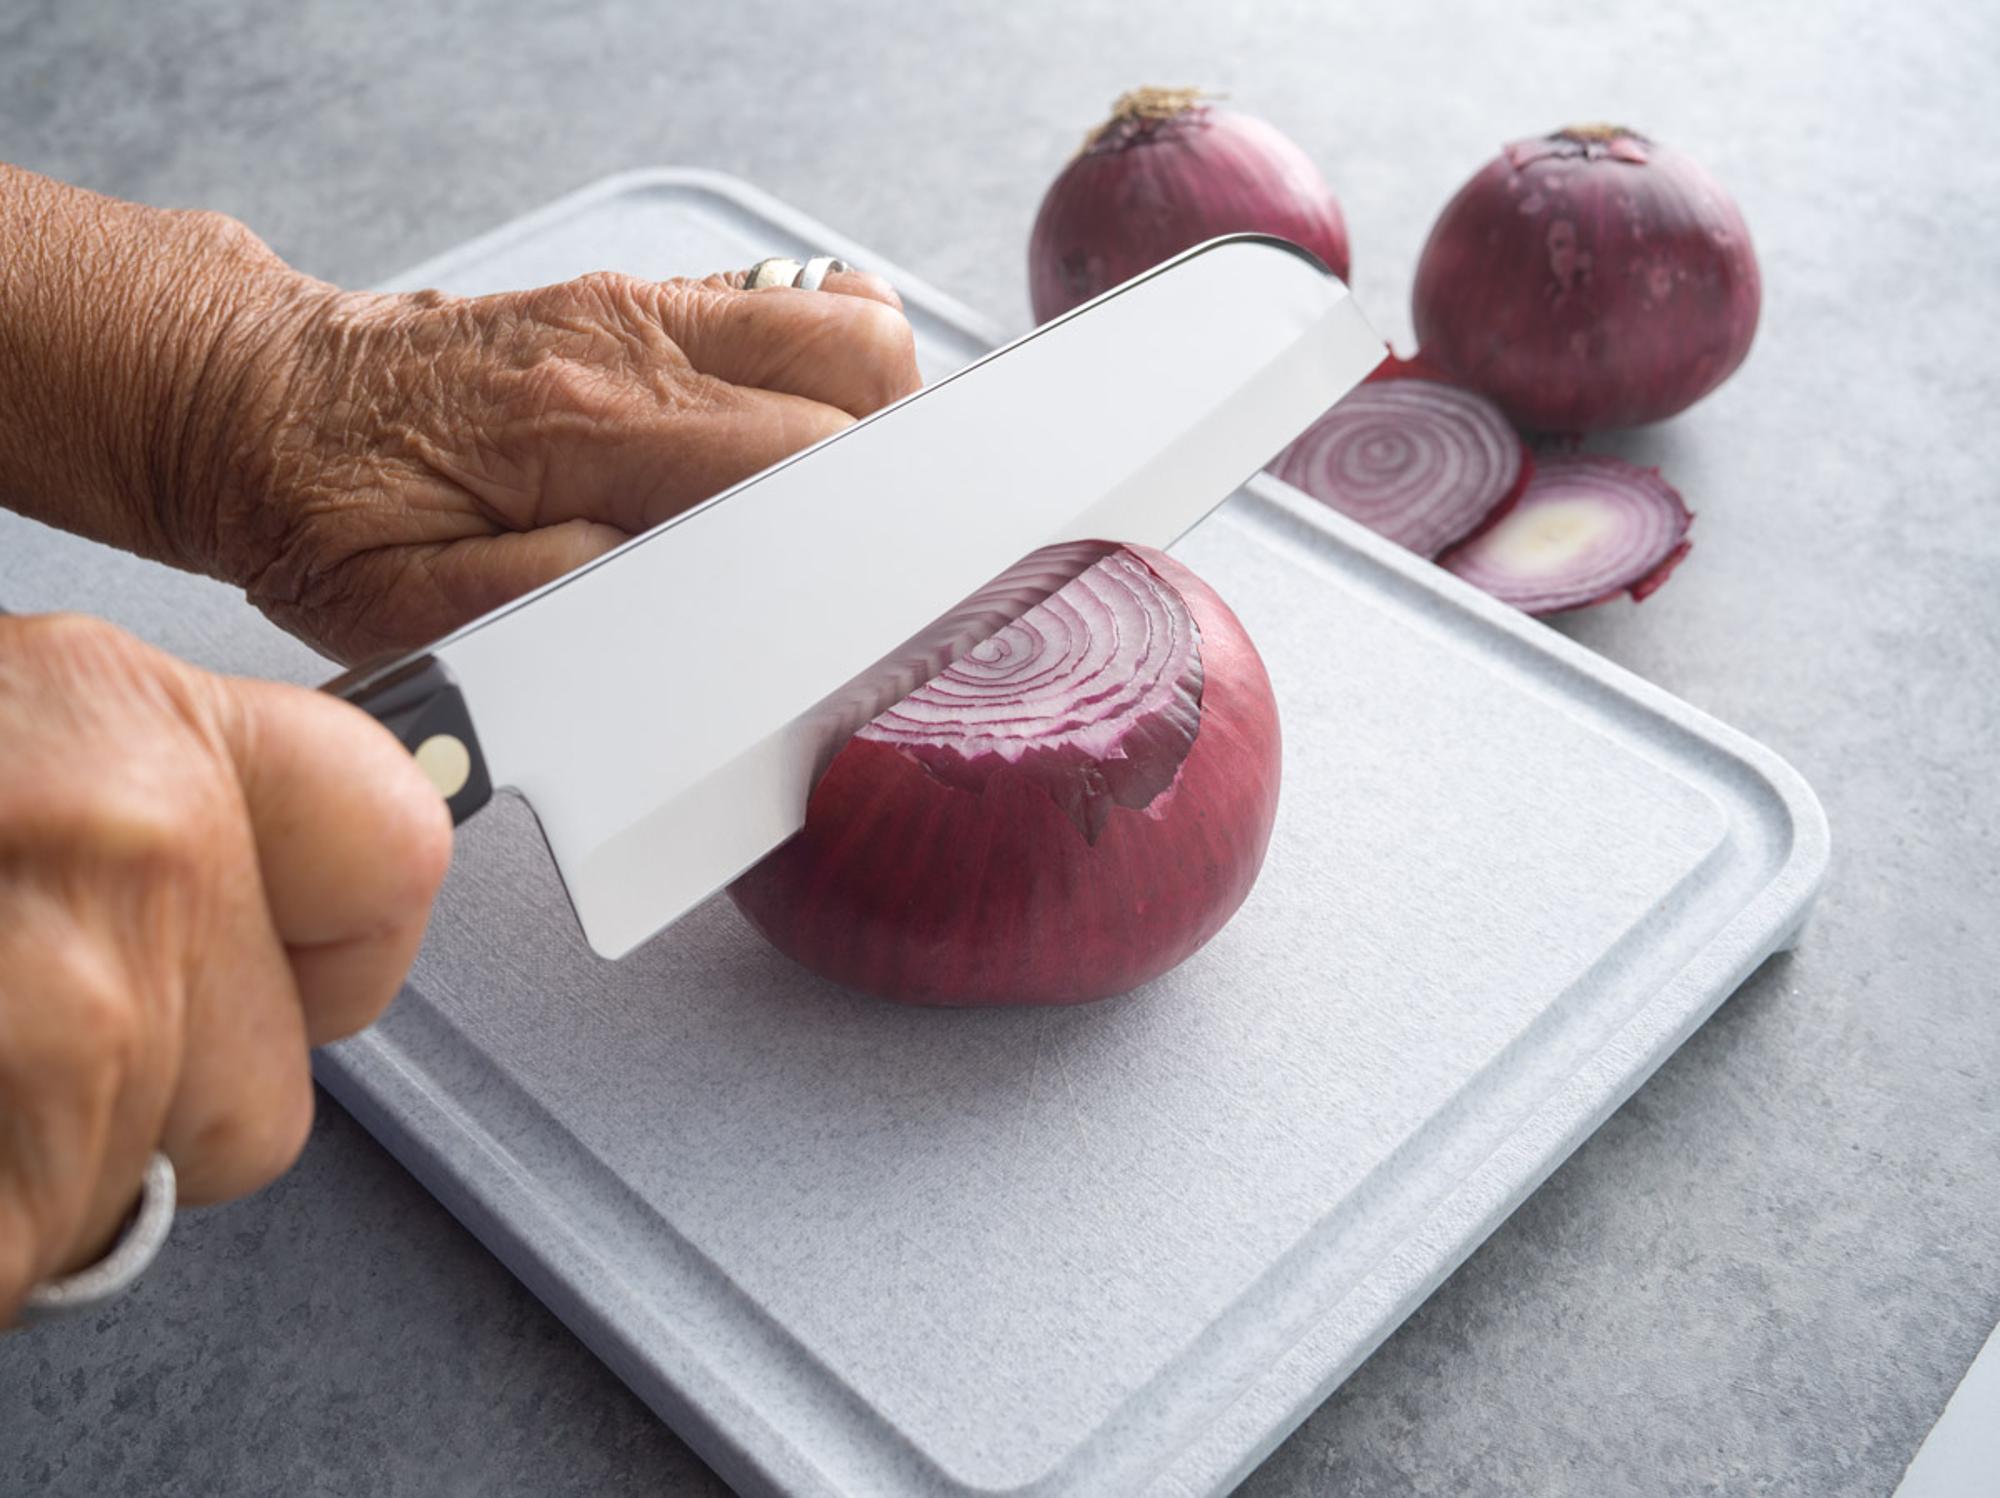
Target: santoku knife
[(665, 709)]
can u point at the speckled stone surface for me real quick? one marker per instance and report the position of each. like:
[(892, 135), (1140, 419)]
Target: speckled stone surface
[(1765, 1273)]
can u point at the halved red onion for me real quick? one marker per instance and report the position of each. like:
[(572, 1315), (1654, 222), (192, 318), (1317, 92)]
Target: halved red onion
[(1587, 528), (1094, 695), (1415, 459), (1069, 810)]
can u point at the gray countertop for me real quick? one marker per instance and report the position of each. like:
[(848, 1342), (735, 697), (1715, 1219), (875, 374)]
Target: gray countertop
[(1765, 1273)]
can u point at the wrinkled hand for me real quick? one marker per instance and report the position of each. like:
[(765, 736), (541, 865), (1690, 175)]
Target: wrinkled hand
[(412, 461), (199, 877)]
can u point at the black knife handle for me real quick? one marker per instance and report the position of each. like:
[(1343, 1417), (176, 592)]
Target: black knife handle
[(421, 705)]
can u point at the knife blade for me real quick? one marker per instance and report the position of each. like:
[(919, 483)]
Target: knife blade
[(665, 709)]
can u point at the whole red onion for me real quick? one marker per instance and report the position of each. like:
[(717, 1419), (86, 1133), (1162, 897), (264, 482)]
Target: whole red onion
[(1071, 809), (1590, 279), (1164, 173)]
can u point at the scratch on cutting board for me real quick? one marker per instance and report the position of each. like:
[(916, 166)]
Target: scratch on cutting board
[(1080, 1130), (1048, 1058)]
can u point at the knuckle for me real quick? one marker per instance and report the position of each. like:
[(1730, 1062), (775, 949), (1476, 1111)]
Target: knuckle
[(229, 237), (882, 330), (92, 674), (218, 226), (612, 281), (93, 1034), (102, 1018), (245, 1148), (72, 640), (612, 289), (884, 347), (558, 387), (166, 836), (884, 292), (120, 770)]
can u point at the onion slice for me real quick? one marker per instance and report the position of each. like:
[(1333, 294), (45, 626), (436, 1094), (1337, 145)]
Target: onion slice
[(1587, 528), (1421, 461)]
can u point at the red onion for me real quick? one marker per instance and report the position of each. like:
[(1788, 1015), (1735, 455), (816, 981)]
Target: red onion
[(1071, 809), (1164, 173), (1420, 461), (1586, 529), (1591, 279)]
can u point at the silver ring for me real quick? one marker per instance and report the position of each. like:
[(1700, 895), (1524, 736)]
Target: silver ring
[(817, 270), (129, 1258), (776, 270), (782, 270)]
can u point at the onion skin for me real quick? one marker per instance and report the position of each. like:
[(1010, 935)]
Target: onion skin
[(1588, 280), (1163, 174), (908, 886)]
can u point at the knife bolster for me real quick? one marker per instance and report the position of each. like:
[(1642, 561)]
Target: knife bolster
[(422, 706)]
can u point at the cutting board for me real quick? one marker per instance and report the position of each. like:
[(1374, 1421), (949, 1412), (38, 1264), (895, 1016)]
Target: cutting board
[(846, 1247)]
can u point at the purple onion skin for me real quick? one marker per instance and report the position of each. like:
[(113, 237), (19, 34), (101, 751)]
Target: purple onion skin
[(912, 889), (1589, 280), (1147, 187)]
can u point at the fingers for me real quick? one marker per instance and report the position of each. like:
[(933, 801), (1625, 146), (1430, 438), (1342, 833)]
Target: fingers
[(242, 1104), (854, 352), (198, 877), (350, 843), (81, 1093), (320, 901), (128, 883), (860, 283), (655, 465), (445, 584)]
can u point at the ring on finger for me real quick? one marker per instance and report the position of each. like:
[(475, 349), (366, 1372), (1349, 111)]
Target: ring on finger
[(817, 270), (136, 1247), (782, 270)]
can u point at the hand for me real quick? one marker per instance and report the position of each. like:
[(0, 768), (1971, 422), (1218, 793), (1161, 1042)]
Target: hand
[(374, 470), (199, 877), (430, 458)]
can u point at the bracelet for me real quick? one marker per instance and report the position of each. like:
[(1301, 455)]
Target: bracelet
[(137, 1246)]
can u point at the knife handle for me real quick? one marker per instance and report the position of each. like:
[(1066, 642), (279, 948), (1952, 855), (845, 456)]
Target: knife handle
[(421, 705)]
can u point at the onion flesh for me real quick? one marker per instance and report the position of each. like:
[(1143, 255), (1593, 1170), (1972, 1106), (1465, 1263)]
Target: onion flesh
[(1586, 529), (1590, 279), (1422, 462), (1163, 174), (1068, 811)]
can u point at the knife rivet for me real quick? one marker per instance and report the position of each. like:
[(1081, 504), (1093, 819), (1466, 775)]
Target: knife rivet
[(446, 761)]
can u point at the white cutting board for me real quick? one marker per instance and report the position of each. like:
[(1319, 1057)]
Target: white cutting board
[(846, 1247)]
